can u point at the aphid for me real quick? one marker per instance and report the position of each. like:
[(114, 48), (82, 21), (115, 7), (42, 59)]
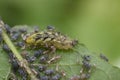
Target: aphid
[(22, 30), (31, 59), (50, 28), (50, 38), (20, 44), (86, 57), (44, 78), (11, 56), (7, 27), (86, 65), (56, 77), (43, 59), (22, 73), (6, 48), (38, 53), (49, 72), (104, 57), (41, 68), (15, 64), (15, 36)]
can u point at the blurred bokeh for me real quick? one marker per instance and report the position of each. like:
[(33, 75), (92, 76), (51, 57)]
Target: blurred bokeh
[(96, 23)]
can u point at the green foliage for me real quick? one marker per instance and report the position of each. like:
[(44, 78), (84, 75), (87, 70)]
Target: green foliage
[(4, 65)]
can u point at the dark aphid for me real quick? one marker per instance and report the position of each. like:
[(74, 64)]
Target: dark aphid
[(11, 56), (20, 44), (7, 27), (15, 36), (56, 77), (104, 57), (13, 31), (38, 53), (86, 65), (31, 59), (86, 57), (50, 27), (15, 65), (43, 59), (41, 68), (22, 73), (6, 48), (49, 72), (76, 77), (44, 78), (23, 30)]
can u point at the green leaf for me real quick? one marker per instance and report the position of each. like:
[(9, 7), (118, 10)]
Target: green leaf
[(4, 65), (71, 64)]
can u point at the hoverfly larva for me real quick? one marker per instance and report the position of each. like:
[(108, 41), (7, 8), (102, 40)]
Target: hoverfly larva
[(50, 38)]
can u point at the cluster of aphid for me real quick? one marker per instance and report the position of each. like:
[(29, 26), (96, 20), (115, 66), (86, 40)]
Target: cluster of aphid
[(86, 69), (43, 44)]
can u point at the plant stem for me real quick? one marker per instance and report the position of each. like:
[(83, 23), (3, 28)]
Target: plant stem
[(23, 62)]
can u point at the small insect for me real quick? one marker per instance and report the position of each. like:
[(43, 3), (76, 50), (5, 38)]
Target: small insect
[(21, 44), (49, 72), (104, 57), (86, 57), (15, 64), (15, 36), (41, 68), (44, 78), (22, 30), (56, 77), (7, 27), (43, 59), (86, 65), (38, 53), (6, 48), (50, 38)]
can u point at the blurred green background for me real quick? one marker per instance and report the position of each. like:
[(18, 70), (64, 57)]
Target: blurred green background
[(96, 23)]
